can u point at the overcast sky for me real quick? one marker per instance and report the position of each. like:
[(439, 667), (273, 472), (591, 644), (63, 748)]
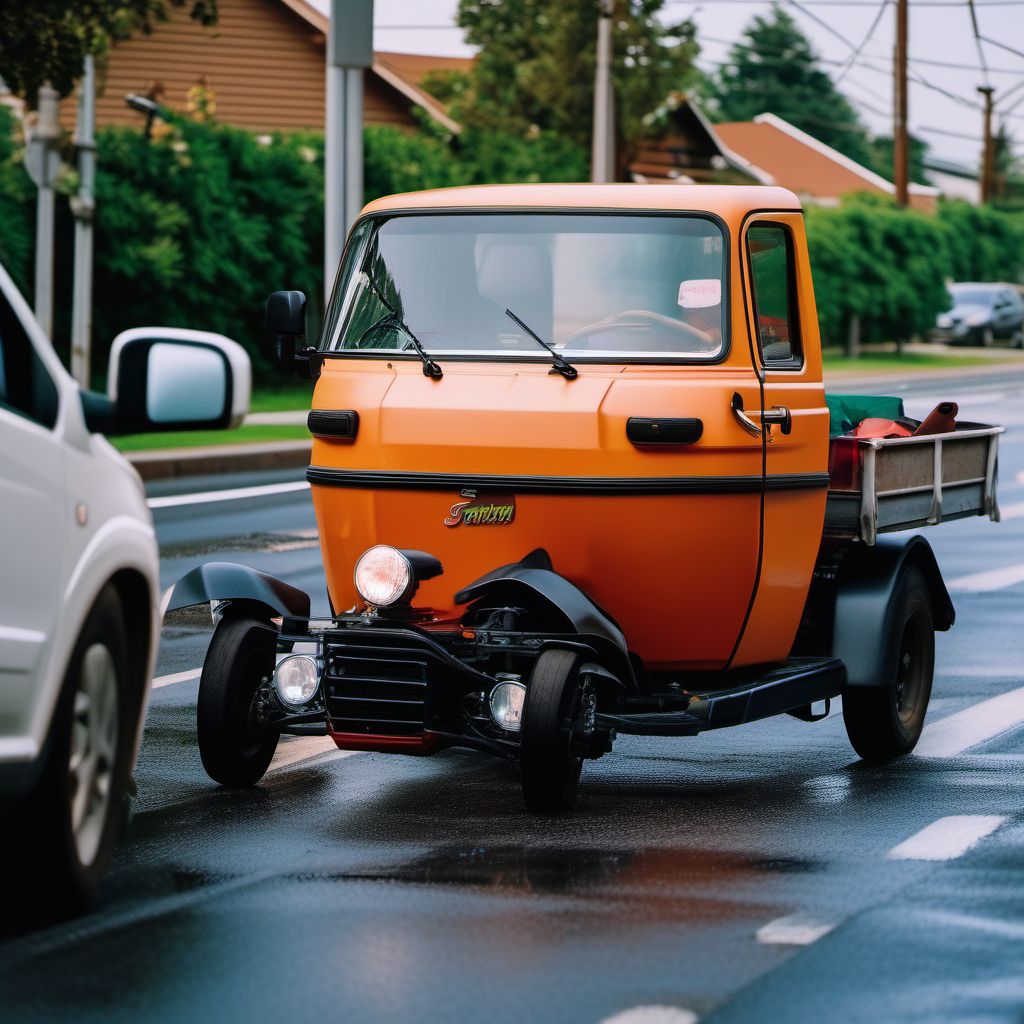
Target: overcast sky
[(940, 34)]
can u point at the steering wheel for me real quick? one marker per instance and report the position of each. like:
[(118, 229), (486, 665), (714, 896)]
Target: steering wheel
[(640, 318)]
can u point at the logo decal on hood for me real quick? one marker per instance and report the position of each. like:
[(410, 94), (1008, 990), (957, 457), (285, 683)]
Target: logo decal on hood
[(472, 510)]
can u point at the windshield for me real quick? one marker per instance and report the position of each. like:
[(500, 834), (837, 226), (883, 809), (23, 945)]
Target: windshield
[(587, 284), (972, 296)]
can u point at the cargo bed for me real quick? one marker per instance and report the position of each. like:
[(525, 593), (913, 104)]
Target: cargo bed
[(881, 485)]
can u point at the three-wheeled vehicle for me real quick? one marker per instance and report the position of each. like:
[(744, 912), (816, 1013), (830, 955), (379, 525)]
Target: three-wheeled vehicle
[(573, 477)]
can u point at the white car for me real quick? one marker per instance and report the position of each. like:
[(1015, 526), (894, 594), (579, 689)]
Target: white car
[(79, 597)]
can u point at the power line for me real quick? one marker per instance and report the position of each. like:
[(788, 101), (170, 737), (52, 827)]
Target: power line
[(1002, 46), (977, 41), (864, 42)]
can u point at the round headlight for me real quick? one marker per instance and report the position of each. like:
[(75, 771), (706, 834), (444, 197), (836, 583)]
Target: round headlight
[(507, 705), (296, 679), (383, 576)]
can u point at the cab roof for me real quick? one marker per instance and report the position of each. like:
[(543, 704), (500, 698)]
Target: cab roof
[(730, 202)]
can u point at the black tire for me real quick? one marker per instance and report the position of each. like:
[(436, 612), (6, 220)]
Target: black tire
[(235, 750), (884, 722), (58, 847), (551, 769)]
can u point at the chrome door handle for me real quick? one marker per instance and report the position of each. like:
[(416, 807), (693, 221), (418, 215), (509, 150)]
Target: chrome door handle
[(779, 414), (744, 420), (776, 414)]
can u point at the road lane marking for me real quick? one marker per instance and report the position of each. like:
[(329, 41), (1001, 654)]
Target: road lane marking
[(177, 677), (794, 930), (991, 579), (231, 494), (652, 1015), (958, 732), (294, 750), (947, 838)]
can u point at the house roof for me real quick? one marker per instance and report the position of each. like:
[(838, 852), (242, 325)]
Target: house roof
[(402, 71), (803, 163)]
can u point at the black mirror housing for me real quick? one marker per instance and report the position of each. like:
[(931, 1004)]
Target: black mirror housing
[(286, 314)]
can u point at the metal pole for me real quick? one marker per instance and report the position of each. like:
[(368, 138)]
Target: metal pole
[(988, 149), (44, 162), (334, 173), (900, 145), (83, 206), (602, 141), (349, 51)]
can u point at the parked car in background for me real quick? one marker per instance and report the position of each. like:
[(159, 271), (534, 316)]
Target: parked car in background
[(982, 313), (79, 597)]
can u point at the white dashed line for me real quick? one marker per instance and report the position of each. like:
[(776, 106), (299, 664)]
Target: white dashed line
[(232, 494), (653, 1015), (958, 732), (794, 930), (177, 677), (992, 579), (947, 838)]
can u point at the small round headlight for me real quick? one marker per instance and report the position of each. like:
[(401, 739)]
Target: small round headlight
[(296, 679), (507, 705), (383, 576)]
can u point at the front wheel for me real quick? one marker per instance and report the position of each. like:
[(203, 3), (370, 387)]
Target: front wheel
[(236, 747), (884, 722), (557, 701)]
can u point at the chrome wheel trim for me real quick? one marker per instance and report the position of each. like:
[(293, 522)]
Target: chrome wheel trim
[(94, 733)]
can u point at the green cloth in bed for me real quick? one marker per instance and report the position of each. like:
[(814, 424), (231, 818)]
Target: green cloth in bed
[(846, 411)]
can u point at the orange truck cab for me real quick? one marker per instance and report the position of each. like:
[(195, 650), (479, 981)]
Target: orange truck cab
[(570, 468)]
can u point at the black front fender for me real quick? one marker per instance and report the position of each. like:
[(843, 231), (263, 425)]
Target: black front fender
[(227, 581), (867, 582)]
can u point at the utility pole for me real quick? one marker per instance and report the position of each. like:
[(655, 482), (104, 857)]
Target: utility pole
[(900, 145), (43, 164), (349, 52), (602, 156), (988, 148), (83, 206)]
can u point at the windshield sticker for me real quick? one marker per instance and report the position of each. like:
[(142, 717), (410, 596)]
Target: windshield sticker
[(700, 293), (471, 510)]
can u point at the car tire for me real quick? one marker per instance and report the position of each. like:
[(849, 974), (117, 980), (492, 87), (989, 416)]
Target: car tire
[(884, 722), (550, 766), (62, 836), (234, 749)]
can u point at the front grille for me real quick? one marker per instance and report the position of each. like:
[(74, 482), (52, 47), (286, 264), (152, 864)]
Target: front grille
[(376, 689)]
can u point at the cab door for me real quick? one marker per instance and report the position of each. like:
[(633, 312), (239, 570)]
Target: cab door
[(783, 323)]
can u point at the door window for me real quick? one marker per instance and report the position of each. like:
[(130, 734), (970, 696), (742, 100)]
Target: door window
[(25, 385), (770, 252)]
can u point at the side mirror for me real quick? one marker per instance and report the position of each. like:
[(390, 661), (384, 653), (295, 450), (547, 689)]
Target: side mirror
[(170, 378), (286, 320)]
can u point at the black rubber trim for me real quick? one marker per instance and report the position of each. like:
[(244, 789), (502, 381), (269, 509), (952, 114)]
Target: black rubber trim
[(642, 430), (410, 481), (333, 423)]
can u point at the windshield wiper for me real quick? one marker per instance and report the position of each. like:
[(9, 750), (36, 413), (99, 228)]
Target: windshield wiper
[(392, 318), (562, 365)]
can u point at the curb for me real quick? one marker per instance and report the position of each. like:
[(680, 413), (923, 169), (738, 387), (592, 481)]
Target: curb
[(166, 463)]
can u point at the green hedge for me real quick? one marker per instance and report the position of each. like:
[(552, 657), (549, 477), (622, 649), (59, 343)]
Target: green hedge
[(889, 266)]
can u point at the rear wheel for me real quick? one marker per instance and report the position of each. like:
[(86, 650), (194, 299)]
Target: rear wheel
[(235, 746), (557, 702), (885, 721)]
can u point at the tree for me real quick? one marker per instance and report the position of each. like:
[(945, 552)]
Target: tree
[(882, 158), (774, 69), (47, 40), (535, 70)]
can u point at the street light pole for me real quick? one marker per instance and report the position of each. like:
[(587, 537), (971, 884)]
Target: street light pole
[(987, 151), (602, 156), (349, 52), (43, 163), (83, 207)]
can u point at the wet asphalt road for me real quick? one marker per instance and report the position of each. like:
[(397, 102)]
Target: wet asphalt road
[(743, 875)]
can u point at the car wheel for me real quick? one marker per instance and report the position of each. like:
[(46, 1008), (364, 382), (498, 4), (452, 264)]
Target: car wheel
[(556, 701), (884, 722), (235, 747), (63, 835)]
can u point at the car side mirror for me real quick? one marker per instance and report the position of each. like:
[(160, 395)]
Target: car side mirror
[(170, 378), (286, 320)]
